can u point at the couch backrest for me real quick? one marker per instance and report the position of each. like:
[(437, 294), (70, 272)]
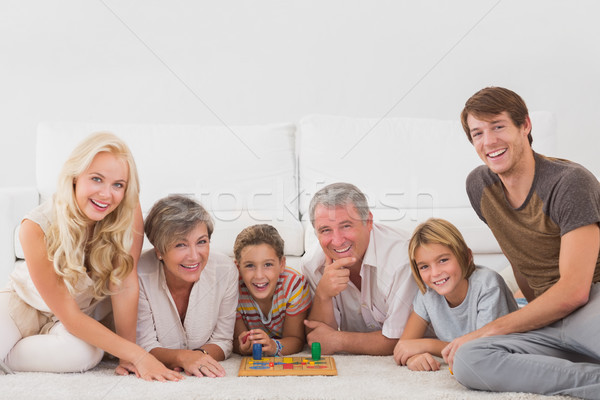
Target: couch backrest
[(242, 175), (410, 169)]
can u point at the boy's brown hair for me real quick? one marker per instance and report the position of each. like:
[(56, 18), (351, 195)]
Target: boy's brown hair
[(258, 234)]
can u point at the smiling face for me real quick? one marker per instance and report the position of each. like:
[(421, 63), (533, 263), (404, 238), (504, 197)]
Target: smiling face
[(186, 257), (260, 268), (440, 270), (101, 187), (342, 233), (499, 143)]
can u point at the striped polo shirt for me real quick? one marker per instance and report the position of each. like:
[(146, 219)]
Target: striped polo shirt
[(291, 297)]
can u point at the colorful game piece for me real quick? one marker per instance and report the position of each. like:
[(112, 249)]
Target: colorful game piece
[(316, 351), (257, 351), (287, 360)]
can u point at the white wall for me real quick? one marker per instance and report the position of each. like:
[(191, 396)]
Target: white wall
[(252, 62)]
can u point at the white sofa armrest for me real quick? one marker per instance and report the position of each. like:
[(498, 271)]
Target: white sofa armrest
[(15, 202)]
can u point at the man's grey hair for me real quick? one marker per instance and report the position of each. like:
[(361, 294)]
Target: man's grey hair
[(337, 195)]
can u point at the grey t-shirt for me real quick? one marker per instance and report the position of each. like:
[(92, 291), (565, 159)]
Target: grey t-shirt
[(487, 298), (563, 196)]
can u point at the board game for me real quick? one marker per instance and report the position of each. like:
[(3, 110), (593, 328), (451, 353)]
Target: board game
[(287, 366)]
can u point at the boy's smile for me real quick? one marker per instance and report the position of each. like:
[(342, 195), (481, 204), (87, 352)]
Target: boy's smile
[(259, 269), (440, 270)]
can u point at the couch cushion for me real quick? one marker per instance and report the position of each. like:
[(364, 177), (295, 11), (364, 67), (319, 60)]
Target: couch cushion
[(230, 223), (250, 168), (410, 169)]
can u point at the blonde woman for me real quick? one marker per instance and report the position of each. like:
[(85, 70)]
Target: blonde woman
[(80, 247)]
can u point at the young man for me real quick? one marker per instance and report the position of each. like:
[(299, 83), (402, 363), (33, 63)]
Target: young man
[(544, 212), (359, 276)]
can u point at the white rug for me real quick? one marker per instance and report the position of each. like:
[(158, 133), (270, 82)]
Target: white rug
[(359, 377)]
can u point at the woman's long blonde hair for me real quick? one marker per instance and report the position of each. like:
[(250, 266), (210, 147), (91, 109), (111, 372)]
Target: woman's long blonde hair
[(107, 251)]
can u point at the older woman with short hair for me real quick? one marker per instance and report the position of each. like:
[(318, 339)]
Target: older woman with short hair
[(188, 294)]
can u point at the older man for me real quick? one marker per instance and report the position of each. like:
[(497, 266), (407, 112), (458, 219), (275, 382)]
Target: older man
[(360, 276)]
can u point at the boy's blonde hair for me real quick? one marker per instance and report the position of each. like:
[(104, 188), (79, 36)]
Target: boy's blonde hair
[(258, 234), (106, 256), (439, 231)]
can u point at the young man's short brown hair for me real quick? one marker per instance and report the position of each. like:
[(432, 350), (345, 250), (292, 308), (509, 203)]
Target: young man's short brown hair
[(492, 101)]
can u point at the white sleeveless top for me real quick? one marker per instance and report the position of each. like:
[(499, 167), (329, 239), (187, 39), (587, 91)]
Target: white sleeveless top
[(21, 283)]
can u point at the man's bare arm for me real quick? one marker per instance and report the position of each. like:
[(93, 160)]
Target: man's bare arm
[(578, 255)]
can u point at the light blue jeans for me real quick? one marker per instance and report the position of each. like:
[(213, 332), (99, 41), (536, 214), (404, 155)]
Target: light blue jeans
[(562, 358)]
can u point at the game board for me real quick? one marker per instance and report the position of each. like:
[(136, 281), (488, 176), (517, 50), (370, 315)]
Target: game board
[(287, 366)]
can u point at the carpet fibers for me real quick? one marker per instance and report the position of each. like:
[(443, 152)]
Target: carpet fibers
[(359, 377)]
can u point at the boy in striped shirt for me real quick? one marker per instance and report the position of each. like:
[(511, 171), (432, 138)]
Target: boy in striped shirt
[(274, 299)]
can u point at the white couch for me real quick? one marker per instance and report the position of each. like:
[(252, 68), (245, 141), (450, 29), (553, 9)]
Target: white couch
[(410, 169)]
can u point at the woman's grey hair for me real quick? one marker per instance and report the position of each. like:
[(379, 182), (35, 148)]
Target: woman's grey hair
[(172, 218), (340, 194)]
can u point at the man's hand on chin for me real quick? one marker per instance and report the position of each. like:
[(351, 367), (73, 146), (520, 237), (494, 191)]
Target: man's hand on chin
[(335, 277)]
